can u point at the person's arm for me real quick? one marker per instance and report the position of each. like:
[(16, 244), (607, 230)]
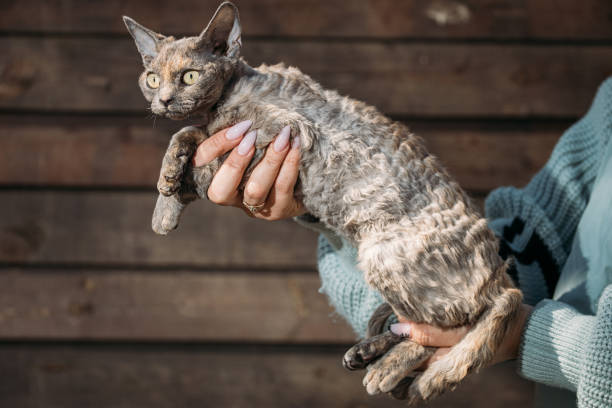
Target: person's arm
[(536, 224), (561, 347)]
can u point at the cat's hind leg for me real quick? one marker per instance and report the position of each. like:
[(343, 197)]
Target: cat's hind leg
[(177, 158), (397, 357), (377, 342), (386, 373), (364, 352)]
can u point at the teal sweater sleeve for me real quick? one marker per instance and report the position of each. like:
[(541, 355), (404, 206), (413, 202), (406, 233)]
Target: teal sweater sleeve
[(537, 223), (566, 349), (345, 286)]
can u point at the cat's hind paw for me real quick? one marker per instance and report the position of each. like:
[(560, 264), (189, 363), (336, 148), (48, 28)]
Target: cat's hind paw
[(361, 354), (387, 372)]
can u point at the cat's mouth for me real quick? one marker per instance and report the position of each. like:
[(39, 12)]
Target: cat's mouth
[(175, 115), (174, 111), (179, 111)]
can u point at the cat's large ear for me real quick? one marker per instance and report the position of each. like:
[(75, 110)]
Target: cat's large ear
[(146, 40), (222, 35)]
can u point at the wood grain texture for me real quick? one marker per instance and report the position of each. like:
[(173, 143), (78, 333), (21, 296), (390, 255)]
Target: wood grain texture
[(127, 151), (162, 377), (98, 311), (463, 19), (86, 75), (114, 228), (183, 306)]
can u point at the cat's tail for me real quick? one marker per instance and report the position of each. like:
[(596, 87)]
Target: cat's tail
[(475, 350)]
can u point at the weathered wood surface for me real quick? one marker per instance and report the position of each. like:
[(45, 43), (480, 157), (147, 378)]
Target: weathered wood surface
[(127, 151), (99, 74), (440, 19), (114, 305), (194, 376), (114, 228)]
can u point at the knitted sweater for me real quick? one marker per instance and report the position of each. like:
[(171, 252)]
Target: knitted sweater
[(559, 230)]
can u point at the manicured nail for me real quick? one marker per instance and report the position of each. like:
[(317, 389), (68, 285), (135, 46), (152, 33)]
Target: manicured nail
[(282, 140), (245, 145), (296, 143), (238, 129), (401, 329)]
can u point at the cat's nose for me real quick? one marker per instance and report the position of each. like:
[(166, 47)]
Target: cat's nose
[(166, 101)]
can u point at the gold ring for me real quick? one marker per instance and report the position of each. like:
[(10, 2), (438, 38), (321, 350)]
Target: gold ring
[(253, 208)]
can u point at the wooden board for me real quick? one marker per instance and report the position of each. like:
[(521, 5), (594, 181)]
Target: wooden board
[(477, 19), (112, 305), (114, 228), (161, 377), (126, 151), (106, 228), (98, 74)]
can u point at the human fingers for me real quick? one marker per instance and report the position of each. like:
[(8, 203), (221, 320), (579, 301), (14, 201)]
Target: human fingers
[(223, 188), (264, 174), (437, 355), (220, 143), (428, 335), (282, 201)]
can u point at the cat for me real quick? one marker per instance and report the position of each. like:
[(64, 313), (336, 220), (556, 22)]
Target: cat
[(421, 242)]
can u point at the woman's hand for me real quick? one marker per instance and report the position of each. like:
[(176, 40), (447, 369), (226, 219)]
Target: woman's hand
[(271, 183), (427, 335)]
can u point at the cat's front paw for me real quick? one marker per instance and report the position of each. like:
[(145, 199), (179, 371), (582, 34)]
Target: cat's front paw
[(166, 214), (176, 160), (167, 185), (173, 168)]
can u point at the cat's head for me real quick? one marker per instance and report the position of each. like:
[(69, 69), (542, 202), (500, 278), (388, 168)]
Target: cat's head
[(188, 75)]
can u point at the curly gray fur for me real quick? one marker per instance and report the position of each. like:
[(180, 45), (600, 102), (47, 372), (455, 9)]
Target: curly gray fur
[(421, 243)]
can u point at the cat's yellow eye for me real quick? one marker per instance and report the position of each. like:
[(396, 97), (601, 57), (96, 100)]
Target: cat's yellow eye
[(190, 77), (153, 80)]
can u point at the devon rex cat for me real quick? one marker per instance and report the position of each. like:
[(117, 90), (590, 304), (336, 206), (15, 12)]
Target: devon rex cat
[(421, 243)]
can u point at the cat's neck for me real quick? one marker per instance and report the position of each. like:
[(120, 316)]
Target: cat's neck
[(242, 71)]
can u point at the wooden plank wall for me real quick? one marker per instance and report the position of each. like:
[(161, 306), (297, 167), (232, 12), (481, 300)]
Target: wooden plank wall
[(97, 311)]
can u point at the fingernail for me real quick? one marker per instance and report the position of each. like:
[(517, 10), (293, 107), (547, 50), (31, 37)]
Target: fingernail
[(238, 129), (296, 142), (247, 142), (401, 329), (282, 139)]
